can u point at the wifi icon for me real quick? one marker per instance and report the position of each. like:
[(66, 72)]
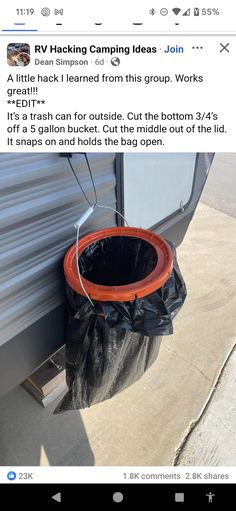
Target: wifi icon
[(176, 10)]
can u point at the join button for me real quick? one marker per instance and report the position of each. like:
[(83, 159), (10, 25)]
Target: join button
[(174, 49)]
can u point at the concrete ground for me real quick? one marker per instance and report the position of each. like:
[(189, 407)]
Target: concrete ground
[(147, 423), (212, 437), (213, 442)]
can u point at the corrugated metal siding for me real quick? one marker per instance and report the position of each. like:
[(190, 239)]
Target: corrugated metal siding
[(39, 203)]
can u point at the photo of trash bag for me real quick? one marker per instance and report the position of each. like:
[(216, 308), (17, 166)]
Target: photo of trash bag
[(111, 344)]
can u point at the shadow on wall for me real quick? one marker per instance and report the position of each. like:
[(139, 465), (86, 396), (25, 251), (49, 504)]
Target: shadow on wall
[(31, 434)]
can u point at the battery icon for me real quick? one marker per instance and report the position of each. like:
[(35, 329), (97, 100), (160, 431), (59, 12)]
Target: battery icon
[(196, 11)]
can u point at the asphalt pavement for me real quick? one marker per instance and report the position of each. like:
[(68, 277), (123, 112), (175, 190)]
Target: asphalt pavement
[(220, 188)]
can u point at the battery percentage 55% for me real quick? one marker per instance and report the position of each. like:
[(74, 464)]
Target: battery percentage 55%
[(210, 11)]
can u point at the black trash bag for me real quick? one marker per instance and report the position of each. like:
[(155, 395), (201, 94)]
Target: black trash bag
[(111, 345)]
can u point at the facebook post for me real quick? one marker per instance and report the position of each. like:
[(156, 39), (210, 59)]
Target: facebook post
[(177, 86), (117, 286)]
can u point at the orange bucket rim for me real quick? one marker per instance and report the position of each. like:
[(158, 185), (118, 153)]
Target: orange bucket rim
[(139, 289)]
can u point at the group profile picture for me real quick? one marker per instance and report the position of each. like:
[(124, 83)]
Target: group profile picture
[(18, 54)]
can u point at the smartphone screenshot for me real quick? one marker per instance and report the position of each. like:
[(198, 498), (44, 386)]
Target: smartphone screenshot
[(117, 254)]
